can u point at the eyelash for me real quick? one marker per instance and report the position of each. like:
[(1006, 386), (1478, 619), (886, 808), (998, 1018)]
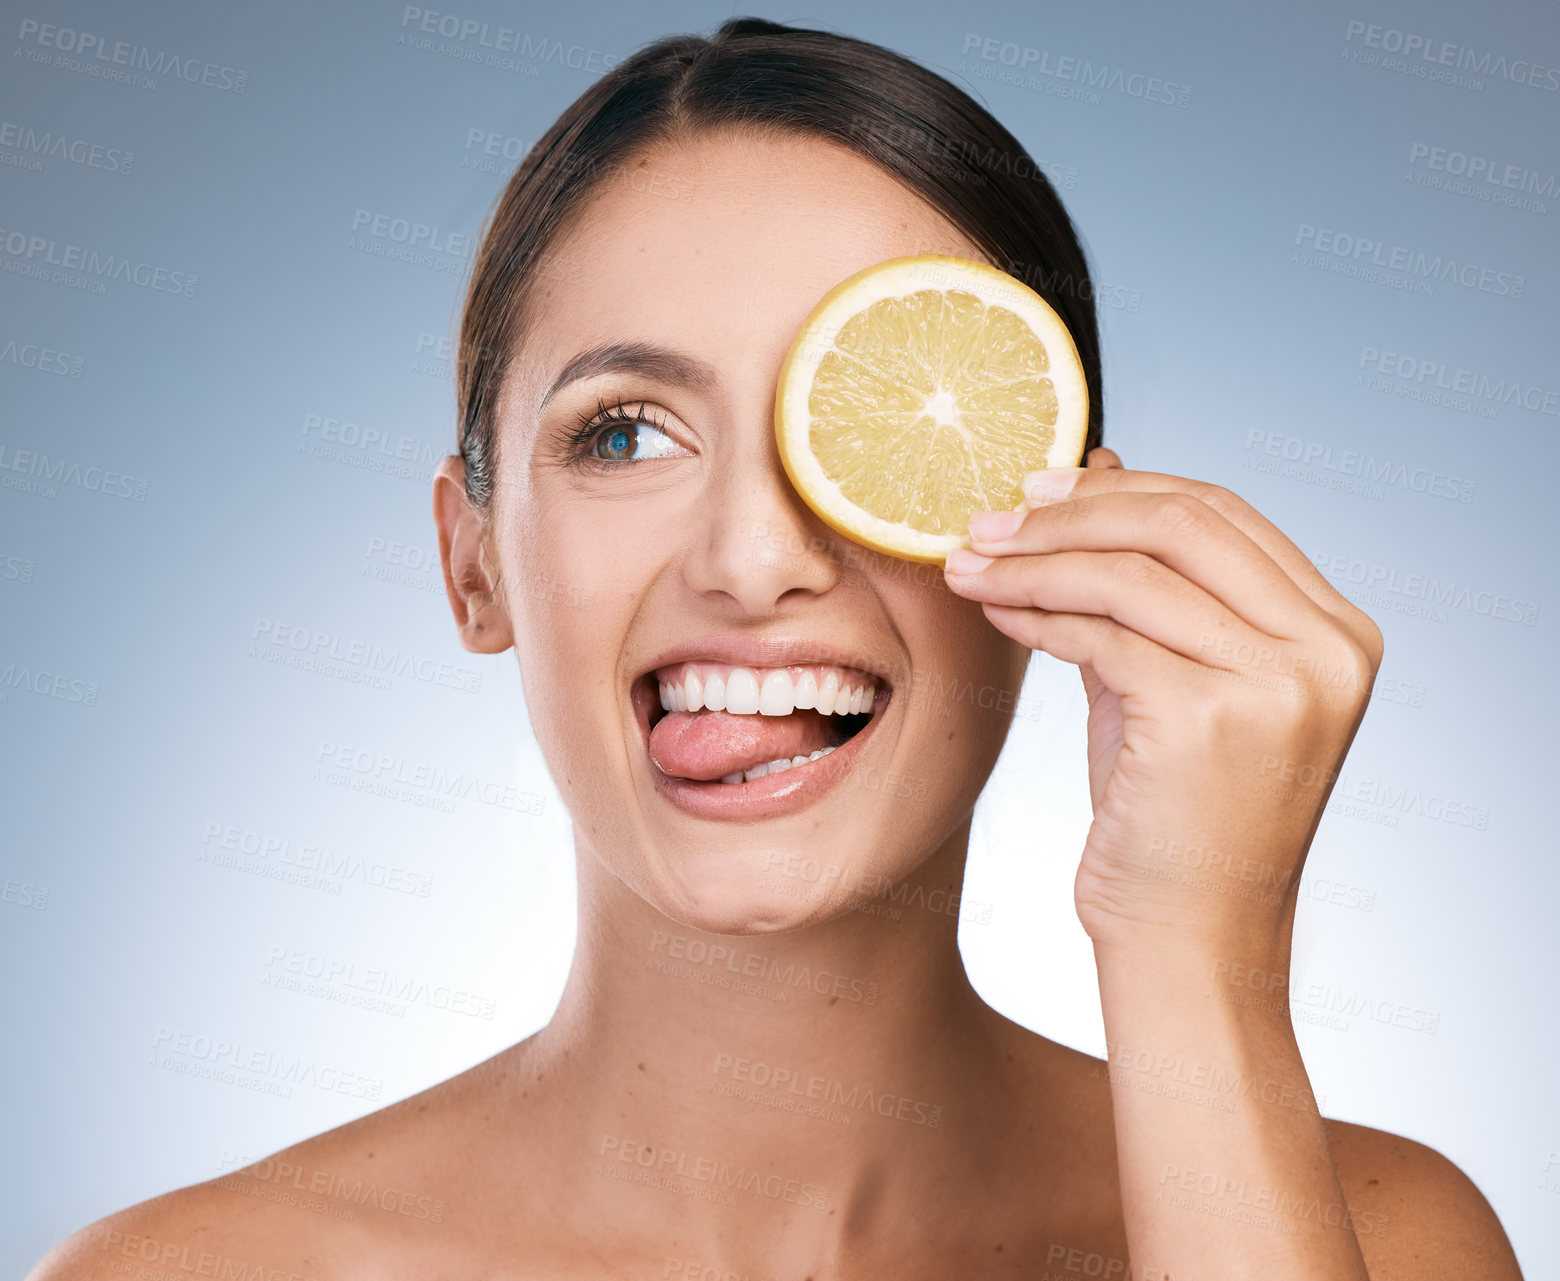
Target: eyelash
[(578, 441)]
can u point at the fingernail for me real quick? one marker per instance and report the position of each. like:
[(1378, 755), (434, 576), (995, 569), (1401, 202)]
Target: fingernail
[(993, 527), (1050, 485), (964, 561)]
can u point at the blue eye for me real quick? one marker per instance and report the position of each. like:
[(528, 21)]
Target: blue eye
[(617, 443), (615, 436)]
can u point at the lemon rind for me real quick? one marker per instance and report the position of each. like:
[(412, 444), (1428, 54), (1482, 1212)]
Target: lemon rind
[(897, 277)]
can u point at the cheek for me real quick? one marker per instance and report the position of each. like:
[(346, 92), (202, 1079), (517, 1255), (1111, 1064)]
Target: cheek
[(576, 571), (563, 591), (557, 581), (980, 644), (965, 669), (563, 576), (591, 549)]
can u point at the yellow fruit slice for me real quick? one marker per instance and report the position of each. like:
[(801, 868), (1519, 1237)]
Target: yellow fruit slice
[(922, 389)]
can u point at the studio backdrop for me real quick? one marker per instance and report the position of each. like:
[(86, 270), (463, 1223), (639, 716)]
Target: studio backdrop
[(277, 851)]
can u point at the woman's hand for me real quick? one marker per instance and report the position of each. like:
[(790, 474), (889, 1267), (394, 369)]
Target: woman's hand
[(1226, 679), (1225, 676)]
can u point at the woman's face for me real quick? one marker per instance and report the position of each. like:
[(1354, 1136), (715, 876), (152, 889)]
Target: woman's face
[(627, 556)]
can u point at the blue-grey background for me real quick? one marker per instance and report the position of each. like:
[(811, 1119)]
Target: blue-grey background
[(209, 855)]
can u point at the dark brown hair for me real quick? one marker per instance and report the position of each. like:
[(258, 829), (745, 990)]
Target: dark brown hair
[(754, 74)]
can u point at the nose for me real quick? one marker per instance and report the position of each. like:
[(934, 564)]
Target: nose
[(759, 544)]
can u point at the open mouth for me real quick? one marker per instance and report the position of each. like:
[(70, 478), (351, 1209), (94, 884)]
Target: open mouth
[(729, 726)]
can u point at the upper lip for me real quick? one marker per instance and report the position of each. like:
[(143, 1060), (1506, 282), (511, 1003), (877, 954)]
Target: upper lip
[(770, 651)]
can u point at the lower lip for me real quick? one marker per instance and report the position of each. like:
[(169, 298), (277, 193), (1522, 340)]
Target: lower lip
[(775, 794)]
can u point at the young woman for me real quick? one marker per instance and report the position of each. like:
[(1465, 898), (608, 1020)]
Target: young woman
[(752, 1073)]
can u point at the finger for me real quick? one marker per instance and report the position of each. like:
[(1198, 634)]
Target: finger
[(1183, 533), (1295, 563), (1136, 590), (1128, 664)]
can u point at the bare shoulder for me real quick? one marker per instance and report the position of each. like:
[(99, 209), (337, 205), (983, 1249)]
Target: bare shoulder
[(204, 1229), (342, 1204), (1418, 1217)]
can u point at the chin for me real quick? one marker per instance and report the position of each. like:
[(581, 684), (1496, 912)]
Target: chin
[(753, 890)]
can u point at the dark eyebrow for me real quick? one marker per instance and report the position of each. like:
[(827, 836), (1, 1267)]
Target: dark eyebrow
[(660, 363)]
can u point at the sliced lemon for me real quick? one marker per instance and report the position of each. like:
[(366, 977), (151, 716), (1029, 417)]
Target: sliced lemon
[(923, 389)]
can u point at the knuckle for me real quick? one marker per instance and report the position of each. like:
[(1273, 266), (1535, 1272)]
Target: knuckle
[(1181, 516), (1362, 658), (1347, 667), (1135, 569), (1223, 714), (1371, 638), (1217, 498)]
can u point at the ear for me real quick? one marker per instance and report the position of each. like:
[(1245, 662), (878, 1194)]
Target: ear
[(469, 581), (1099, 456)]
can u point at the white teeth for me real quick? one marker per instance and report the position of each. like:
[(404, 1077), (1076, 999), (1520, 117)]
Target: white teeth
[(741, 692), (766, 692), (775, 698), (827, 693), (774, 767)]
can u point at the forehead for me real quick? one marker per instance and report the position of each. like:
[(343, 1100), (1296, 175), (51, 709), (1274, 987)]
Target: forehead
[(720, 246)]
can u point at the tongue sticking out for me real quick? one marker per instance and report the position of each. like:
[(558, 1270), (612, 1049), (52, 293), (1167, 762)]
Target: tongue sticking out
[(709, 745)]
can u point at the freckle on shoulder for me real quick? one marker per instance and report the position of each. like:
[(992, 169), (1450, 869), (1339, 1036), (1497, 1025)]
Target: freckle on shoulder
[(1411, 1203)]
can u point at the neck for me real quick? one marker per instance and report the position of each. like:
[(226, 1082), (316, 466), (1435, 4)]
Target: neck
[(794, 1091)]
